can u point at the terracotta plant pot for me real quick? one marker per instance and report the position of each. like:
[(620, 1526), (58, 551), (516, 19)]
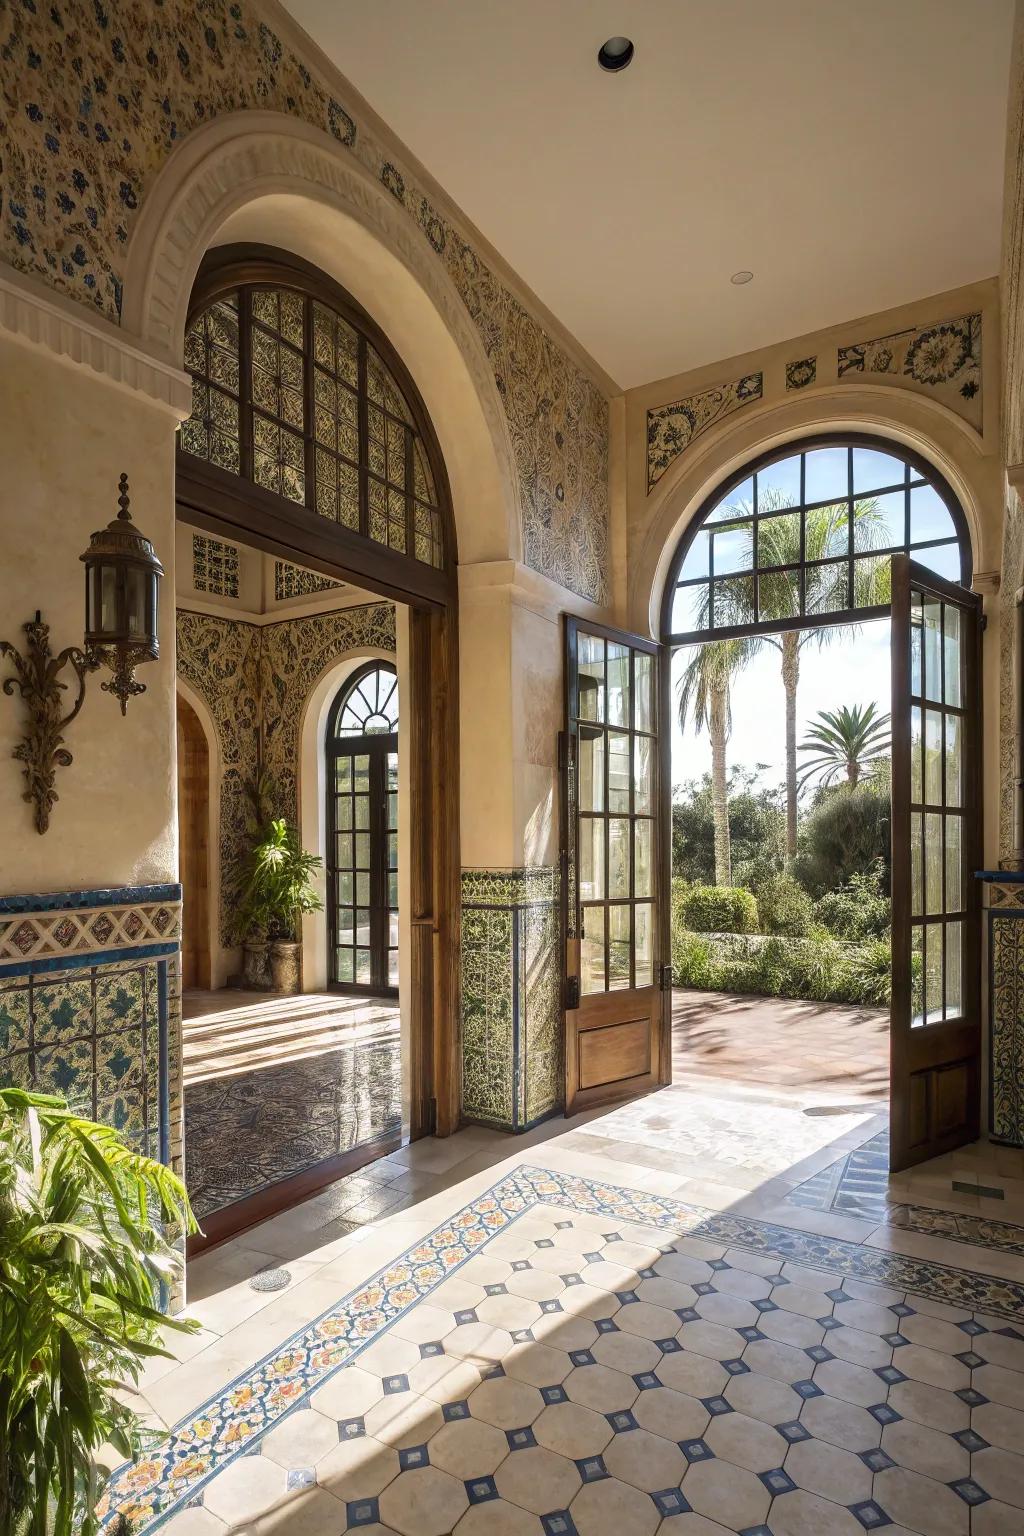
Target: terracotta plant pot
[(256, 966), (286, 966)]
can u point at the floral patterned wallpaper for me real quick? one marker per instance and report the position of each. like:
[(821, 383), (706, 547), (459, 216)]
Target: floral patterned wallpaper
[(255, 680), (96, 94)]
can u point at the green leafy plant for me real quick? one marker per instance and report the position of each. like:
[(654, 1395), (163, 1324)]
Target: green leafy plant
[(860, 909), (844, 742), (275, 883), (719, 909), (82, 1258), (784, 906), (845, 833)]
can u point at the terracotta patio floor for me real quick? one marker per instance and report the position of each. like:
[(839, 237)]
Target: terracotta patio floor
[(780, 1043)]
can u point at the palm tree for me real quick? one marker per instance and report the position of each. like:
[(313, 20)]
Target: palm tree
[(703, 691), (844, 741), (779, 544)]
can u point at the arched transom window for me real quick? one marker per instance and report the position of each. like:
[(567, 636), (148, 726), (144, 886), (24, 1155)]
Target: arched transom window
[(803, 535), (293, 395), (370, 706)]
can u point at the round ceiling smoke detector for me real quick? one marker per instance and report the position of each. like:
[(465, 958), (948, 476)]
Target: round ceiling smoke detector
[(615, 54), (739, 278)]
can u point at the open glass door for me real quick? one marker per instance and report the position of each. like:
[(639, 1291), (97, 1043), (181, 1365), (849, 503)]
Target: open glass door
[(935, 1040), (616, 1015)]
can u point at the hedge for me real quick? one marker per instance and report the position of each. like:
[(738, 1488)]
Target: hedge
[(719, 909)]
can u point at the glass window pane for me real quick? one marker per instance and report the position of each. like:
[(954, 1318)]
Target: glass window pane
[(932, 863), (619, 671), (954, 969), (944, 560), (952, 653), (736, 503), (954, 760), (933, 756), (642, 870), (592, 972), (591, 770), (932, 636), (363, 967), (618, 771), (916, 627), (827, 587), (778, 540), (643, 760), (872, 581), (916, 757), (733, 548), (933, 973), (592, 858), (826, 474), (733, 600), (778, 485), (618, 856), (879, 522), (590, 679), (392, 967), (691, 609), (362, 888), (874, 471), (619, 947), (695, 561), (643, 680), (827, 531), (778, 595), (643, 945), (916, 977), (954, 865), (929, 515), (346, 965), (916, 865)]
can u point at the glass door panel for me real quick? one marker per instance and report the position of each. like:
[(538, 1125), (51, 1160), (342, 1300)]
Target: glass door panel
[(362, 864)]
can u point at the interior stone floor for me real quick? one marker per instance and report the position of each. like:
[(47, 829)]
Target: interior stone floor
[(276, 1084), (631, 1322)]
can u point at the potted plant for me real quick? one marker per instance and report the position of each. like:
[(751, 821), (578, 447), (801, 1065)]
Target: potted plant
[(276, 890), (249, 924), (83, 1255)]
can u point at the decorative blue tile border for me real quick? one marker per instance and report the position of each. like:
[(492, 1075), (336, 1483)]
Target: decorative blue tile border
[(232, 1422), (104, 896)]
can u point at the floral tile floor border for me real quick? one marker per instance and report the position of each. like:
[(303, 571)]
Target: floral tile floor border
[(233, 1421)]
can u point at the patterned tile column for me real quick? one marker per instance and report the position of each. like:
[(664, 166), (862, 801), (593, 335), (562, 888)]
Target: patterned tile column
[(1005, 907), (511, 996)]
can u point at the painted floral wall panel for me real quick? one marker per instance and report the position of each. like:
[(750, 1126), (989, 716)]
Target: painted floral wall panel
[(943, 360), (255, 681), (96, 96)]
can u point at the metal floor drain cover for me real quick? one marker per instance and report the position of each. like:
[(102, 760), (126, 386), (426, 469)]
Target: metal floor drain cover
[(270, 1280)]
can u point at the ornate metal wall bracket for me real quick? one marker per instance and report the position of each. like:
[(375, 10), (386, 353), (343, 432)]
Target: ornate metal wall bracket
[(41, 749)]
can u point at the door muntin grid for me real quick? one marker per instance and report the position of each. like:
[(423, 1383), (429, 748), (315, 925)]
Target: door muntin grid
[(614, 723), (807, 533), (362, 769), (939, 851)]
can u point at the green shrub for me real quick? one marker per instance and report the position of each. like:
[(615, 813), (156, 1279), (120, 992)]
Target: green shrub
[(860, 909), (783, 906), (845, 834), (719, 909), (692, 965)]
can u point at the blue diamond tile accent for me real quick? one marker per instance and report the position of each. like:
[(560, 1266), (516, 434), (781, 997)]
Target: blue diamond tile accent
[(696, 1450), (736, 1367), (467, 1315), (518, 1265), (551, 1306), (393, 1384), (871, 1515), (837, 1295), (884, 1414), (492, 1373), (828, 1323), (559, 1523), (718, 1264), (414, 1456), (704, 1288), (363, 1512), (818, 1353), (895, 1340), (716, 1406), (765, 1305), (427, 1351), (543, 1242), (520, 1439), (781, 1280), (606, 1325), (647, 1274), (807, 1389), (592, 1258), (480, 1489), (670, 1501), (591, 1469), (522, 1336), (612, 1237), (756, 1530), (572, 1279), (621, 1421), (972, 1327), (646, 1381), (300, 1477), (971, 1397), (1010, 1333), (777, 1481), (794, 1431), (554, 1395), (970, 1359), (971, 1492), (687, 1314), (876, 1460), (563, 1226), (668, 1346), (889, 1374), (750, 1334), (496, 1290), (971, 1440), (625, 1297), (901, 1309), (581, 1357), (454, 1411), (350, 1429)]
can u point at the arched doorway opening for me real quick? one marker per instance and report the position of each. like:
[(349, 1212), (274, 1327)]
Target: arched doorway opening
[(194, 847), (829, 537)]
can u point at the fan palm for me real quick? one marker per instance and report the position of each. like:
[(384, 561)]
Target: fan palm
[(704, 694), (844, 741)]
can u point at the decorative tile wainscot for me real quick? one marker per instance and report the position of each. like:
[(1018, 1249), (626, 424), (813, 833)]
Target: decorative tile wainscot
[(90, 1006), (1004, 906), (511, 996)]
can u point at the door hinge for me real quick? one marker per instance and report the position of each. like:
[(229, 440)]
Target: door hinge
[(572, 993), (665, 978)]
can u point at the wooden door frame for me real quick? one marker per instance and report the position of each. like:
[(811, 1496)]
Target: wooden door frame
[(189, 724)]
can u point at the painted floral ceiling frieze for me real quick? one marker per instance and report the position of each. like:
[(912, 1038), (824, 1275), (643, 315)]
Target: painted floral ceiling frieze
[(95, 98), (942, 360), (672, 428)]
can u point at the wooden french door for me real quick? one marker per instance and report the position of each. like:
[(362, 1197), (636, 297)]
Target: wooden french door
[(935, 1038), (362, 864), (612, 867)]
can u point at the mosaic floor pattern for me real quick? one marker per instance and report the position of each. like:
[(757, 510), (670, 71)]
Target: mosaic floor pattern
[(565, 1355)]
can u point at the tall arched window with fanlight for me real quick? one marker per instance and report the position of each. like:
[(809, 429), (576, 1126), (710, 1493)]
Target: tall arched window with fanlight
[(361, 748)]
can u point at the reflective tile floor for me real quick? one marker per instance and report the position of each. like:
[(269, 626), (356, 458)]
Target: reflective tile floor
[(582, 1330)]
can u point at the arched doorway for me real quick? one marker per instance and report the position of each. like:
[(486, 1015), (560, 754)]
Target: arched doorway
[(361, 749), (837, 531), (194, 847)]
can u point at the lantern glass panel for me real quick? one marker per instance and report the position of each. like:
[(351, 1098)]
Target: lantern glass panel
[(135, 600), (108, 598)]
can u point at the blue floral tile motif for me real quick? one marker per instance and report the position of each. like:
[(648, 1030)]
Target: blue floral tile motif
[(233, 1421), (672, 428), (801, 373)]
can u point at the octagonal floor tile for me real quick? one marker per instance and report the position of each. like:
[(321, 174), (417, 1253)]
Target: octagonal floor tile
[(538, 1480), (424, 1502), (611, 1508)]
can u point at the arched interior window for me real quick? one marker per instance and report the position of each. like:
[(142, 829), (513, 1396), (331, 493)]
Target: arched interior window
[(805, 534), (290, 392), (361, 748)]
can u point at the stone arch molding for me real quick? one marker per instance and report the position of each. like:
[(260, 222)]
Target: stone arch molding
[(235, 161), (893, 415)]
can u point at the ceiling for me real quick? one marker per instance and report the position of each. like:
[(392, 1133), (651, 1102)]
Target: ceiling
[(849, 155)]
